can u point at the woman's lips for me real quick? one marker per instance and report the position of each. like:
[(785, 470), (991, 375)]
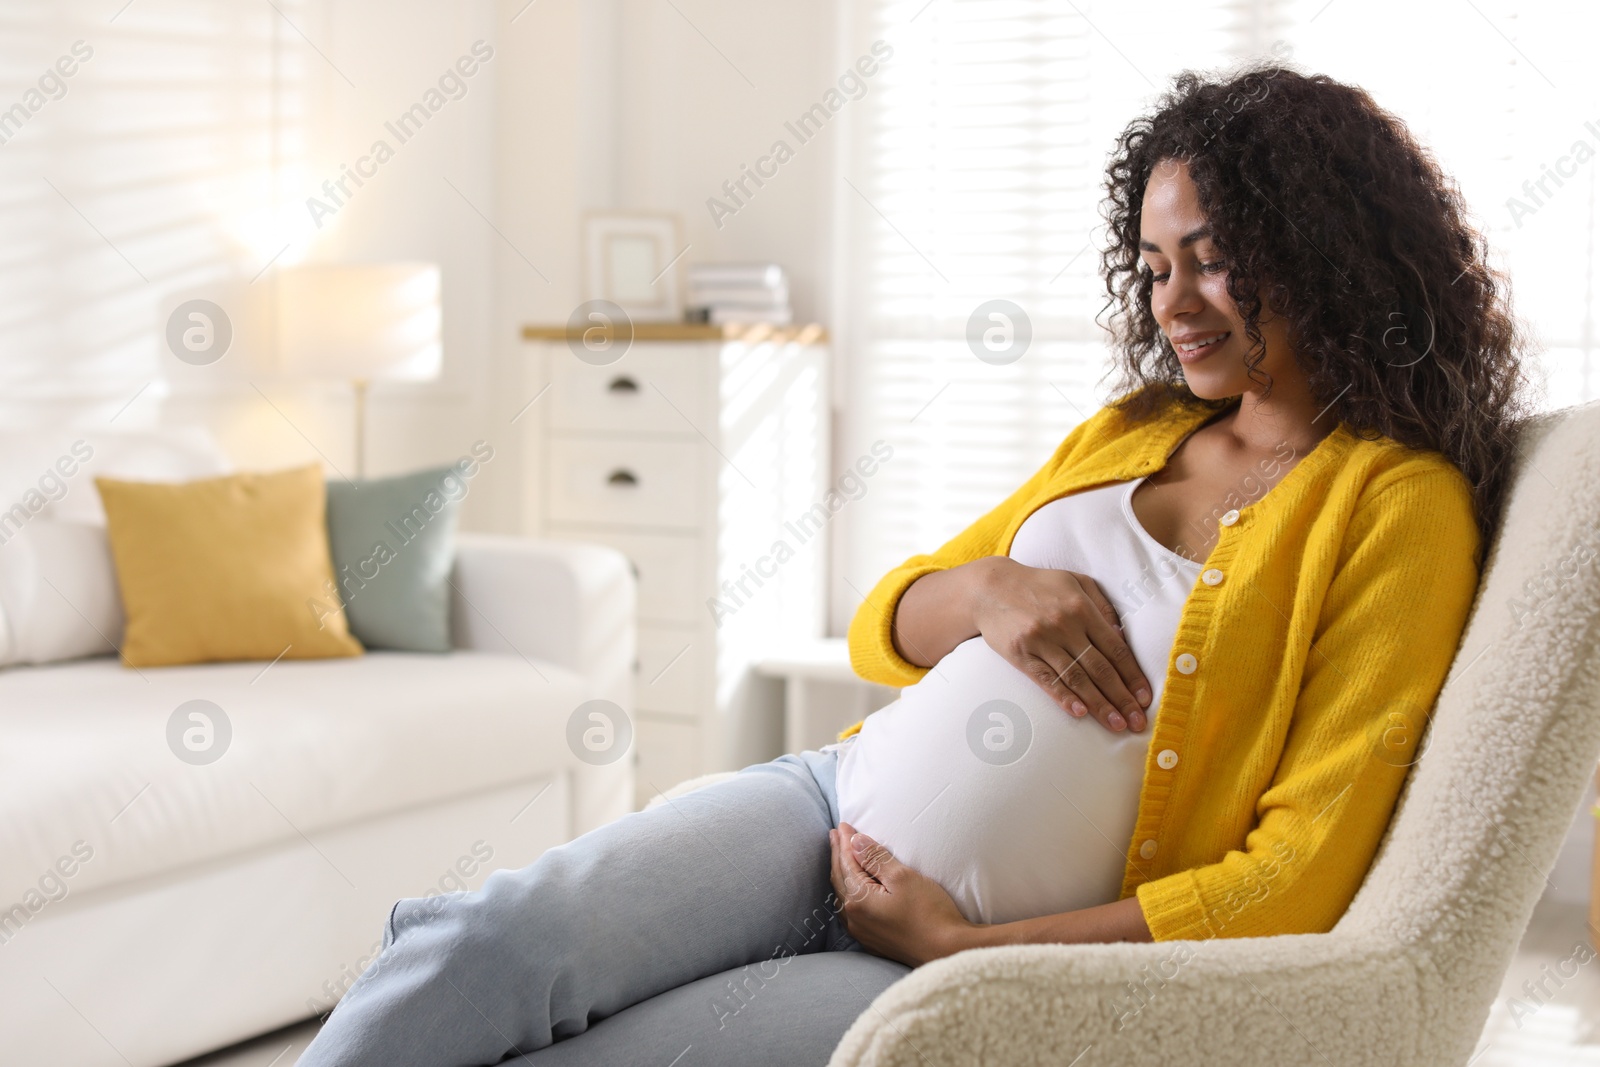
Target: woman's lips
[(1189, 352)]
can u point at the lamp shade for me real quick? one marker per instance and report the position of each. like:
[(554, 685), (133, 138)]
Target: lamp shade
[(360, 322)]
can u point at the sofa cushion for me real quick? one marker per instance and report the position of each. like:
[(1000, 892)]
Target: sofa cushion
[(394, 545), (232, 568), (58, 593), (46, 480), (307, 745)]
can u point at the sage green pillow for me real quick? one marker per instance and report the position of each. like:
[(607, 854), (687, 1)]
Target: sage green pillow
[(394, 544)]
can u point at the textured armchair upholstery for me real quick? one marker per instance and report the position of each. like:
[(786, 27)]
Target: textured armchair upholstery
[(1408, 975)]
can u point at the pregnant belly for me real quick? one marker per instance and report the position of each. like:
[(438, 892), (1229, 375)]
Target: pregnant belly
[(978, 780)]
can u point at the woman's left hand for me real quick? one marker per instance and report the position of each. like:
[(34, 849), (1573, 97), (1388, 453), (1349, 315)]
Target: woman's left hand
[(891, 909)]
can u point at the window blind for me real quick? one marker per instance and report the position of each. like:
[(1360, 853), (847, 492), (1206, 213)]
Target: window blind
[(157, 165), (971, 175), (1502, 93)]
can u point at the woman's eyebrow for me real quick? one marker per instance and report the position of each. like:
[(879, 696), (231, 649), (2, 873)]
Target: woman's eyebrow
[(1183, 242)]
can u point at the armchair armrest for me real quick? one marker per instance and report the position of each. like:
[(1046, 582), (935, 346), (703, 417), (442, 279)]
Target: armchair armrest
[(553, 601), (1313, 999)]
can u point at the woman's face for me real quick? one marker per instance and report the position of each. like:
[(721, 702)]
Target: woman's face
[(1189, 297)]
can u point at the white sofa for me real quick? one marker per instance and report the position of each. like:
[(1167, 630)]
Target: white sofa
[(152, 909)]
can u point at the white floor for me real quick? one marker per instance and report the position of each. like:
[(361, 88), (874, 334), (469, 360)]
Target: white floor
[(1563, 1031)]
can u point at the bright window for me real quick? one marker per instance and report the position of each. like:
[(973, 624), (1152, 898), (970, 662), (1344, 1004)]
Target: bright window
[(973, 170), (157, 164)]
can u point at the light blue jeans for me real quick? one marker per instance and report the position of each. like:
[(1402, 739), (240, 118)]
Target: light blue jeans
[(703, 931)]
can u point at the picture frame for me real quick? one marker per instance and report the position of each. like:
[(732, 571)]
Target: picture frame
[(633, 259)]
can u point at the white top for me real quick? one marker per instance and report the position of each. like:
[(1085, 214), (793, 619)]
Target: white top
[(976, 778)]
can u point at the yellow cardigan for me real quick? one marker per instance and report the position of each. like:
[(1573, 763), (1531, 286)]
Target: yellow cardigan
[(1305, 663)]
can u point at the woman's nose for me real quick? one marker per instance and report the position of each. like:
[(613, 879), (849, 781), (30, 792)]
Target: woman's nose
[(1181, 295)]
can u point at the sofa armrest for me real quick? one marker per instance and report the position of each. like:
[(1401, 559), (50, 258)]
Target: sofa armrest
[(558, 603), (1314, 998), (553, 601)]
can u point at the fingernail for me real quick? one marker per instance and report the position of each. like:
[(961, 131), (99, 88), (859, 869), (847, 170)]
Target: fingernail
[(1136, 720), (1142, 695), (859, 842), (1078, 709), (1115, 721)]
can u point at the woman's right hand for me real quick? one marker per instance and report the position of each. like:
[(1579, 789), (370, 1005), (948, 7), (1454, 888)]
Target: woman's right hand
[(1057, 627)]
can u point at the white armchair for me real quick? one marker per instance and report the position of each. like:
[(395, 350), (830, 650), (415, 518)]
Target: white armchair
[(1408, 975)]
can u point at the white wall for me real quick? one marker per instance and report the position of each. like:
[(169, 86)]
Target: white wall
[(691, 120), (393, 53), (628, 105)]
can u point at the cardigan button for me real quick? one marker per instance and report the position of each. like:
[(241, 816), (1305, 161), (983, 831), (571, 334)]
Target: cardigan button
[(1186, 664), (1147, 850), (1211, 577), (1166, 759), (1229, 518)]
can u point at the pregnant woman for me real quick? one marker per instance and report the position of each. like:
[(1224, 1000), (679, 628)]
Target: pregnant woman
[(1168, 689)]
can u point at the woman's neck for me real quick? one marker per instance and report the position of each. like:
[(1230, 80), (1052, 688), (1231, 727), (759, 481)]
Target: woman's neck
[(1290, 415)]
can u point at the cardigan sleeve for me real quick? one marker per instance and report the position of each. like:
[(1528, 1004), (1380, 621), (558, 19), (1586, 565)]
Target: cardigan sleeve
[(872, 652), (1387, 632)]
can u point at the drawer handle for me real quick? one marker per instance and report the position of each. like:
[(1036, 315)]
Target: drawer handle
[(622, 477), (623, 384)]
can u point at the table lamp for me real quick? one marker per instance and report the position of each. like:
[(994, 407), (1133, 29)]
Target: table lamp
[(360, 323)]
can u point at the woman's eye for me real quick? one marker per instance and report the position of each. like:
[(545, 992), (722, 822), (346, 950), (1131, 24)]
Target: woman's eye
[(1214, 267)]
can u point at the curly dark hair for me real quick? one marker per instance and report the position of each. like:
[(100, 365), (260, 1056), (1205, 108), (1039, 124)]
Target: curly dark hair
[(1327, 211)]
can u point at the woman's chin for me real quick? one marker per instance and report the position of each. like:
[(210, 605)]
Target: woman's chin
[(1210, 386)]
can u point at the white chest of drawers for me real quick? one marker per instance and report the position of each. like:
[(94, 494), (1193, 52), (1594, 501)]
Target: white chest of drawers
[(701, 454)]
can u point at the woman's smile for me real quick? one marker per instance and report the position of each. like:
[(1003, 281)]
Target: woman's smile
[(1194, 346)]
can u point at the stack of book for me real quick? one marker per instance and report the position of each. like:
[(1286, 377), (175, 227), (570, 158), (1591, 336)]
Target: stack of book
[(739, 293)]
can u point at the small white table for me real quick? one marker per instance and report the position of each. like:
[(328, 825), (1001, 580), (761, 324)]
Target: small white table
[(821, 694)]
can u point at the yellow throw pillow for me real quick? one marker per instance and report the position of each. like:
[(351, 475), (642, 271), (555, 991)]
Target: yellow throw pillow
[(225, 569)]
